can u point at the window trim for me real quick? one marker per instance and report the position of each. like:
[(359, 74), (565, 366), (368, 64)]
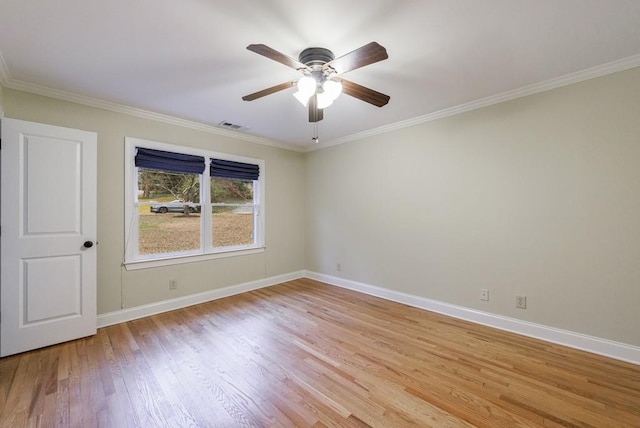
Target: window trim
[(131, 260)]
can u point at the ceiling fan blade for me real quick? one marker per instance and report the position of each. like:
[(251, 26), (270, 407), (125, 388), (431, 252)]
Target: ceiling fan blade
[(315, 114), (268, 91), (273, 54), (363, 93), (365, 55)]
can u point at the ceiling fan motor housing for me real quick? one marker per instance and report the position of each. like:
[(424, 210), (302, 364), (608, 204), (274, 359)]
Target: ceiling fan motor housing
[(315, 57)]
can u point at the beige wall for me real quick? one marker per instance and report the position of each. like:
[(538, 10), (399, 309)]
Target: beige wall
[(1, 101), (539, 196), (118, 287)]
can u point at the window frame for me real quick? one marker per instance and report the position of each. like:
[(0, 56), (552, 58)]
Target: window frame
[(133, 260)]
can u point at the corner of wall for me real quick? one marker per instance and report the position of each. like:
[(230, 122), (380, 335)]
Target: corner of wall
[(4, 78), (1, 102)]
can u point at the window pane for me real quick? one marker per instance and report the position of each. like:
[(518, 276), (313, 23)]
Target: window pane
[(232, 225), (165, 186), (168, 212), (231, 191), (167, 233), (233, 212)]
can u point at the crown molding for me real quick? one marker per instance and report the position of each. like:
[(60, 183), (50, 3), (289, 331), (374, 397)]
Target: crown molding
[(138, 112), (7, 82), (535, 88)]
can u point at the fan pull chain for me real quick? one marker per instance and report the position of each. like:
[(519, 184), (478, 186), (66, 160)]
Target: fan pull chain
[(315, 138)]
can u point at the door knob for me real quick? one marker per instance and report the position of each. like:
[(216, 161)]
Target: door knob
[(88, 244)]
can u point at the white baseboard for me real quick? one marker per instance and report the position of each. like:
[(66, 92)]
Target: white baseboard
[(124, 315), (617, 350)]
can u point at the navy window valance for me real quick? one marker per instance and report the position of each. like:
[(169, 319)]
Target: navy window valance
[(230, 169), (169, 161)]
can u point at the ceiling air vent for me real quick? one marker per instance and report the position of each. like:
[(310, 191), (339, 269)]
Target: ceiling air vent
[(229, 125)]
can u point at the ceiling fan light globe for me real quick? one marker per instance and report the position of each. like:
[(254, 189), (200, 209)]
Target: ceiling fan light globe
[(302, 97), (307, 85), (324, 100), (332, 88)]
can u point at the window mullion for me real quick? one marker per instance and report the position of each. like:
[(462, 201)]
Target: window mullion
[(131, 244), (135, 224), (205, 214)]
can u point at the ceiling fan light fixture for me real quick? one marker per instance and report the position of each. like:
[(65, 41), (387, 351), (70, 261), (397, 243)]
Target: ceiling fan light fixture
[(330, 91), (332, 88), (302, 97), (307, 85), (306, 88), (324, 100)]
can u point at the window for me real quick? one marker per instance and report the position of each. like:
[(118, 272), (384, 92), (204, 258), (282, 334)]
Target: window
[(233, 212), (233, 204), (186, 204)]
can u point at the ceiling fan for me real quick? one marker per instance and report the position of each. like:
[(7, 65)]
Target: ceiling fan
[(320, 84)]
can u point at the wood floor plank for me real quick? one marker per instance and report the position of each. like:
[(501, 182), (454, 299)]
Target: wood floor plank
[(304, 353)]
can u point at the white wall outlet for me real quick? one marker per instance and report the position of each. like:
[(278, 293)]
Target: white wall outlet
[(338, 267), (521, 302), (173, 284), (484, 294)]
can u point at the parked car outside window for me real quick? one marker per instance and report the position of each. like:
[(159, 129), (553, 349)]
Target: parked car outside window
[(175, 206)]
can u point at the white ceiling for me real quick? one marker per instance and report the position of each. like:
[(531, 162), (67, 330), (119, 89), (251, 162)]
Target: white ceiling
[(188, 59)]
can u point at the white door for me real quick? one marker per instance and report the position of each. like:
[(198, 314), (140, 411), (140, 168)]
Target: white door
[(47, 235)]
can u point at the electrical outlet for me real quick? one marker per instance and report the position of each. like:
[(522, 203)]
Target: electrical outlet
[(338, 267), (173, 284), (484, 294), (521, 302)]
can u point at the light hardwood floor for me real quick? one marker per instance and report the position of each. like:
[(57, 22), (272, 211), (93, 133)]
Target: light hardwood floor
[(308, 354)]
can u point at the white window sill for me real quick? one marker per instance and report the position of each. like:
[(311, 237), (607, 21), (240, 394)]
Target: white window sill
[(188, 258)]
